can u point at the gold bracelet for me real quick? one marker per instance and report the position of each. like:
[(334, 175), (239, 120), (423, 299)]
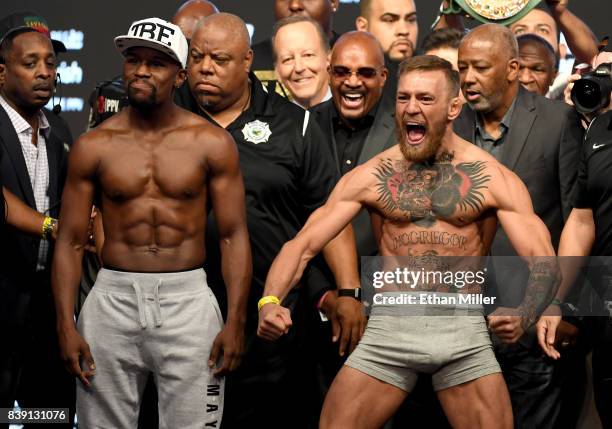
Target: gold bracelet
[(47, 227), (269, 299)]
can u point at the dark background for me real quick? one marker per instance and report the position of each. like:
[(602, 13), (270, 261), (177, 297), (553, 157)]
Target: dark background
[(101, 21)]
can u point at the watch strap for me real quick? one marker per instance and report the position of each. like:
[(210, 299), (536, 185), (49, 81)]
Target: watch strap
[(353, 293)]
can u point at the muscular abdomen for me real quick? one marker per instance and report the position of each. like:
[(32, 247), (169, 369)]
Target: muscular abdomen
[(154, 212)]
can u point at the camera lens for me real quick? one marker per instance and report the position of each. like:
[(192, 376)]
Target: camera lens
[(587, 94)]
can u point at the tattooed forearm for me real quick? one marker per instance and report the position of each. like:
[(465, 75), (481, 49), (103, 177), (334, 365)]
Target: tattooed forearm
[(542, 286)]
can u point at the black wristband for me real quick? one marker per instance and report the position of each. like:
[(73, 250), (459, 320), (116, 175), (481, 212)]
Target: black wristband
[(353, 293)]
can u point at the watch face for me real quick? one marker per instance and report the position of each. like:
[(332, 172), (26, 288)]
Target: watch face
[(497, 9)]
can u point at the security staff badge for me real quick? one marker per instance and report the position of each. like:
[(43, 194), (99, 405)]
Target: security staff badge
[(257, 132)]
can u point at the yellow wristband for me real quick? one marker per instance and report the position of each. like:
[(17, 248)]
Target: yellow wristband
[(47, 227), (270, 299)]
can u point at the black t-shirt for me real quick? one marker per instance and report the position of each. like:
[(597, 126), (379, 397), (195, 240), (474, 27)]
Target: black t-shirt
[(288, 171), (593, 187), (350, 140)]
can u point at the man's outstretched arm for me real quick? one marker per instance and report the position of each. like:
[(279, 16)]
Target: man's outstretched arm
[(75, 213), (531, 240), (226, 189), (322, 226)]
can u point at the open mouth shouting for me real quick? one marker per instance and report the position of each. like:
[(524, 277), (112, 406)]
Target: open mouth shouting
[(415, 132)]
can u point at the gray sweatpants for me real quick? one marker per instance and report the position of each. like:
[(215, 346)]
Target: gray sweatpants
[(164, 323)]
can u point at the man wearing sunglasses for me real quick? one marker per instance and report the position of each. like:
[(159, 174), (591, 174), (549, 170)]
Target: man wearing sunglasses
[(359, 126), (358, 119)]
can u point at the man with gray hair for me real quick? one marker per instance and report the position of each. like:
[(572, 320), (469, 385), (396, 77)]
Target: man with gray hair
[(301, 59), (322, 11), (539, 140)]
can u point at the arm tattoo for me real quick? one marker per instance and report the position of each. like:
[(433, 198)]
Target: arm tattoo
[(542, 286), (425, 192)]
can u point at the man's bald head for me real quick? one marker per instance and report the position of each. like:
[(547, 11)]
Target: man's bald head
[(361, 40), (219, 61), (357, 74), (226, 26), (500, 37), (190, 12)]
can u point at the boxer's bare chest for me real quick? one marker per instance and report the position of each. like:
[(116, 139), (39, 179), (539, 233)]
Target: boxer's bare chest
[(156, 167), (437, 206)]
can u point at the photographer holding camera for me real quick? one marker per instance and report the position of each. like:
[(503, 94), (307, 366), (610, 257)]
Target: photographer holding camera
[(588, 230), (590, 92)]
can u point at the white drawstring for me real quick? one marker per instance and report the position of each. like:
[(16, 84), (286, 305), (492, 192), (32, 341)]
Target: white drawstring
[(141, 305), (157, 309)]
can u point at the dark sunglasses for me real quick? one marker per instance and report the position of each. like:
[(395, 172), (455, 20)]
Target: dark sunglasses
[(341, 72)]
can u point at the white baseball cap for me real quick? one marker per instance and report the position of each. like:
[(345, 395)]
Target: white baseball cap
[(156, 34)]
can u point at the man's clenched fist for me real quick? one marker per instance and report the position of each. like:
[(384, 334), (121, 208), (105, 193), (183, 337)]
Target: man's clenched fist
[(274, 321)]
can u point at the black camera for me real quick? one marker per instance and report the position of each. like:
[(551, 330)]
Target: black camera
[(592, 92)]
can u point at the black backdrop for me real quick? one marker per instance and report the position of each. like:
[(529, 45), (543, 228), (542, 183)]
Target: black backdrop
[(100, 21)]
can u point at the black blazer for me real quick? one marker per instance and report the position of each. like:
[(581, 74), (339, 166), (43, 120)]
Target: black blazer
[(18, 251), (543, 149), (380, 138)]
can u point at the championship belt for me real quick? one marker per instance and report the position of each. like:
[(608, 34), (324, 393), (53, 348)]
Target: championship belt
[(504, 12)]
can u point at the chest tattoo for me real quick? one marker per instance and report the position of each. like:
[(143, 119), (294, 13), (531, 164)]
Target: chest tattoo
[(425, 192)]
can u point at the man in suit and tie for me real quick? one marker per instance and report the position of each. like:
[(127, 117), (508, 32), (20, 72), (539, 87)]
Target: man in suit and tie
[(33, 169), (538, 139)]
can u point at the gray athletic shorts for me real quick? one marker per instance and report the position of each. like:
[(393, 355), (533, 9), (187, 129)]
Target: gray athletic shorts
[(453, 349), (136, 323)]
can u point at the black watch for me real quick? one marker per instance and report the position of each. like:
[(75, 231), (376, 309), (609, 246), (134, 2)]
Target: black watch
[(353, 293)]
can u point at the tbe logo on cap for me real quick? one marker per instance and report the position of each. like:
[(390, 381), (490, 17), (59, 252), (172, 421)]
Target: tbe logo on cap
[(156, 34), (153, 31)]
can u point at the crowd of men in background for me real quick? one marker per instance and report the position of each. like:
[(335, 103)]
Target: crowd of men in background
[(297, 112)]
